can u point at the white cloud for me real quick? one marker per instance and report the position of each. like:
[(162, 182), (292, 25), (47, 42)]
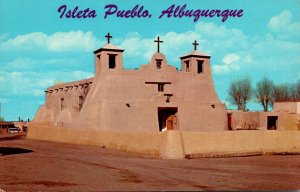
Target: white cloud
[(248, 59), (76, 75), (3, 100), (33, 83), (20, 64), (1, 79), (211, 38), (38, 92), (27, 41), (283, 25), (218, 41), (277, 22), (172, 46), (270, 51), (57, 42), (70, 41), (177, 44), (221, 37), (231, 63), (3, 37), (231, 58), (34, 64), (136, 46)]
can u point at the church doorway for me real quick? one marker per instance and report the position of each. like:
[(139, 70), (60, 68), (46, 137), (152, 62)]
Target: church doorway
[(167, 118)]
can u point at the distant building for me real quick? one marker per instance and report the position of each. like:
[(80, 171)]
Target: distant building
[(285, 116), (292, 107), (152, 98)]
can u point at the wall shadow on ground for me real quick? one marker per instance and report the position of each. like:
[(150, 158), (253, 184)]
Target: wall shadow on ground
[(13, 151)]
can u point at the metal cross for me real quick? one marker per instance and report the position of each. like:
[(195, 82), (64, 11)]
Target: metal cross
[(108, 37), (195, 45), (158, 41)]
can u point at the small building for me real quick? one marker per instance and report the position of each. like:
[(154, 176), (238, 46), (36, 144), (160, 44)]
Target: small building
[(285, 116), (152, 98), (291, 107)]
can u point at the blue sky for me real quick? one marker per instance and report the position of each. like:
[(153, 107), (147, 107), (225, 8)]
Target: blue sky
[(38, 49)]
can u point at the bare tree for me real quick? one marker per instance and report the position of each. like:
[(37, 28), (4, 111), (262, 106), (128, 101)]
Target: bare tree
[(287, 92), (246, 90), (264, 92), (295, 91), (281, 92), (239, 92), (234, 94)]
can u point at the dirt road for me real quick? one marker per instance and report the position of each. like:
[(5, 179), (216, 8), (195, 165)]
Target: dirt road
[(49, 166)]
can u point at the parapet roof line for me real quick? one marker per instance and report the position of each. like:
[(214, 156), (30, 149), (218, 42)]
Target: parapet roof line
[(103, 49), (197, 56)]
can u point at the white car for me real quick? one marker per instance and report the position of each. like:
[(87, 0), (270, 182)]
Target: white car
[(14, 130)]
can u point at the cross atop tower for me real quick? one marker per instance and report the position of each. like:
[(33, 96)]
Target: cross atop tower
[(108, 36), (195, 45), (158, 41)]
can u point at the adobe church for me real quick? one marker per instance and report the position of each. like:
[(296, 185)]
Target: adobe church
[(152, 98)]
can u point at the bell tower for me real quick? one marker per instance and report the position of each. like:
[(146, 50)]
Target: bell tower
[(196, 62), (108, 58)]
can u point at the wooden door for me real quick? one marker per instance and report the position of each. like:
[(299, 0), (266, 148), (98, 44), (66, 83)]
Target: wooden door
[(170, 122)]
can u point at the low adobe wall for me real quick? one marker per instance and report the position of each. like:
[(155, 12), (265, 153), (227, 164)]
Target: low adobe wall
[(176, 144), (237, 143), (138, 142)]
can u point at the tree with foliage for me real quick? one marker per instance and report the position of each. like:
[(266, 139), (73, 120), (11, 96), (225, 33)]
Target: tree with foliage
[(1, 118), (240, 92), (264, 92)]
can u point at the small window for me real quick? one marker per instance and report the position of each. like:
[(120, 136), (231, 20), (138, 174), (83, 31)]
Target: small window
[(158, 63), (200, 66), (81, 100), (112, 61), (62, 103), (187, 66), (160, 87)]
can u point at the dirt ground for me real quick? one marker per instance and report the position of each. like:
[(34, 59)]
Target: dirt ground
[(29, 165)]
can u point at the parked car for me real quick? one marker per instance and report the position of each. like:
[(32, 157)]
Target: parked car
[(13, 130)]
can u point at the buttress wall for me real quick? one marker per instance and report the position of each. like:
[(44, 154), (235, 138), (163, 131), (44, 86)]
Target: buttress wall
[(63, 102)]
